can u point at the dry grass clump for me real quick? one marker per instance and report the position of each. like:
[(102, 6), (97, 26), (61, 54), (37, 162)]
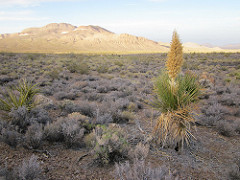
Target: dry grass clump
[(175, 96)]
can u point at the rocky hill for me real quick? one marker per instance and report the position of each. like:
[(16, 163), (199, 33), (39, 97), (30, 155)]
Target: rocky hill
[(66, 38)]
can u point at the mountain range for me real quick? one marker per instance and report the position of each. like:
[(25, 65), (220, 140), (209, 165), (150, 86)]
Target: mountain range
[(66, 38)]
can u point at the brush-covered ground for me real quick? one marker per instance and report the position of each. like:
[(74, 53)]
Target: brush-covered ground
[(93, 111)]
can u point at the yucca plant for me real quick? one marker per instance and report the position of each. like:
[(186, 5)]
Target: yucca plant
[(186, 91), (175, 98), (26, 92)]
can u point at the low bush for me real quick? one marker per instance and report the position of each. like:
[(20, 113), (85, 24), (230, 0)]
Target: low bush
[(86, 108), (20, 118), (139, 171), (68, 106), (78, 67), (65, 95), (34, 136), (68, 130), (53, 131), (212, 114), (72, 132), (103, 118), (109, 144), (6, 174), (53, 74), (103, 68), (225, 128), (39, 115), (234, 174), (140, 152), (11, 137), (30, 169)]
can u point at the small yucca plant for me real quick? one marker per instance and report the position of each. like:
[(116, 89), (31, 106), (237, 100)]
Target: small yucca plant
[(26, 92), (175, 95)]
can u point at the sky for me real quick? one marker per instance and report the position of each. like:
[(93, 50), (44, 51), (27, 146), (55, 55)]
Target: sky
[(201, 21)]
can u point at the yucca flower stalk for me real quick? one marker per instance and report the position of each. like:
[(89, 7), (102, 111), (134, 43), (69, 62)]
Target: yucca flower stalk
[(175, 60), (175, 57)]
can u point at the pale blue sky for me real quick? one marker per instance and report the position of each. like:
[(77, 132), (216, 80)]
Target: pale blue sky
[(201, 21)]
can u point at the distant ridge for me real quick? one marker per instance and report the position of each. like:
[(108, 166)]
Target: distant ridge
[(231, 46), (66, 38)]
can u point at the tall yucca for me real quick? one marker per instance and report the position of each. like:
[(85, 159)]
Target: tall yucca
[(175, 57), (175, 95)]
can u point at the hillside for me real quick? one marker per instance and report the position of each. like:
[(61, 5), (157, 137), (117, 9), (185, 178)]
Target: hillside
[(66, 38)]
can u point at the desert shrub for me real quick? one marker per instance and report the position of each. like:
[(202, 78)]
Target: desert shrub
[(119, 63), (103, 117), (119, 117), (53, 74), (139, 171), (225, 128), (234, 174), (103, 68), (72, 132), (68, 106), (11, 137), (95, 97), (6, 174), (237, 127), (86, 108), (26, 92), (78, 67), (229, 100), (132, 107), (68, 130), (90, 140), (53, 131), (34, 136), (212, 114), (4, 78), (127, 116), (122, 103), (79, 85), (3, 124), (103, 89), (140, 152), (65, 95), (83, 121), (20, 118), (30, 169), (39, 115), (110, 144)]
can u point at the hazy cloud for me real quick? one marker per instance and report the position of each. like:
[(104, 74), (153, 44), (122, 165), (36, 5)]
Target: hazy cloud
[(19, 16), (22, 19), (158, 0), (26, 3)]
